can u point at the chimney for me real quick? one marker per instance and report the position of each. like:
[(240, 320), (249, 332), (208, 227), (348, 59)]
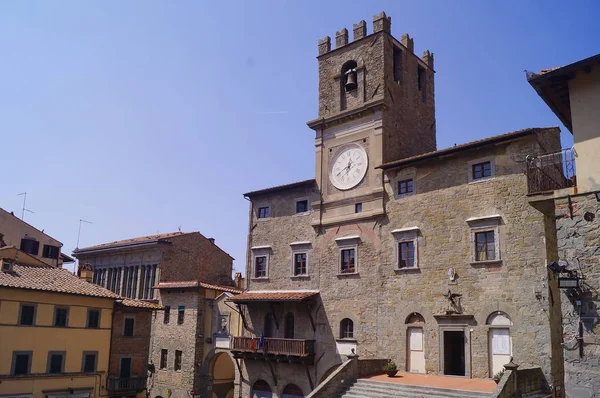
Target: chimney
[(238, 281), (85, 272), (211, 240)]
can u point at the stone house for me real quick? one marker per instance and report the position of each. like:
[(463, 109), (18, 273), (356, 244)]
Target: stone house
[(565, 186), (432, 258)]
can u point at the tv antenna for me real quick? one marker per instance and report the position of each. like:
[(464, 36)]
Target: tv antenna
[(24, 209), (79, 233)]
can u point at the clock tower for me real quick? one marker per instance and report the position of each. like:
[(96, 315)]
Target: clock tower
[(376, 105)]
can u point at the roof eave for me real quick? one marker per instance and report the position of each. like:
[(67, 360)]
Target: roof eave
[(77, 252)]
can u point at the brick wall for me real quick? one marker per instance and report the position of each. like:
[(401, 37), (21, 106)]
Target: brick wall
[(137, 346)]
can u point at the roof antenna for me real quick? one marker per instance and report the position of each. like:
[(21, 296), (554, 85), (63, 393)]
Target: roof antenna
[(79, 233), (179, 228), (24, 209)]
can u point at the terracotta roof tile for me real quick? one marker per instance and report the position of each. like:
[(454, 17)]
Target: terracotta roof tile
[(275, 295), (51, 279), (141, 239), (192, 284), (282, 187), (127, 302)]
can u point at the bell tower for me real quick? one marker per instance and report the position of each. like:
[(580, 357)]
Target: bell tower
[(376, 105)]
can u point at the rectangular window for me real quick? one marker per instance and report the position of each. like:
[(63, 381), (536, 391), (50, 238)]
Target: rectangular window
[(420, 78), (30, 246), (89, 361), (300, 264), (135, 282), (264, 212), (358, 208), (482, 170), (128, 327), (405, 187), (56, 361), (406, 251), (348, 261), (397, 64), (177, 363), (27, 314), (50, 251), (167, 315), (163, 358), (301, 206), (21, 363), (60, 316), (93, 319), (180, 314), (260, 267), (6, 266), (485, 246)]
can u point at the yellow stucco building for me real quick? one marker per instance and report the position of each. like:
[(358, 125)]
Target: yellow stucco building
[(55, 331)]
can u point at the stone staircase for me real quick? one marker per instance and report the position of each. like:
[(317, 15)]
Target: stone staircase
[(380, 389)]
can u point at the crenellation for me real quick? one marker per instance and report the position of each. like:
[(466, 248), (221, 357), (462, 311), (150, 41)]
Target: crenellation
[(359, 30), (341, 38), (382, 23), (428, 58), (324, 45), (408, 42)]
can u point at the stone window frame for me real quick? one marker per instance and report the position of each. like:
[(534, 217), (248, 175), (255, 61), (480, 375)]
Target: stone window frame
[(342, 329), (259, 207), (485, 224), (403, 235), (299, 248), (83, 355), (61, 307), (128, 316), (14, 361), (126, 356), (63, 354), (34, 305), (260, 251), (403, 175), (346, 243), (304, 213), (473, 162)]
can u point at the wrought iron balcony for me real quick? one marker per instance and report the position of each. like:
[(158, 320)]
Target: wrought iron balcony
[(126, 383), (292, 350), (552, 171)]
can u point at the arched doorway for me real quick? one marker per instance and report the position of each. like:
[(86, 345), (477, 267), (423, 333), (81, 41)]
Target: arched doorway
[(500, 341), (292, 391), (222, 372), (415, 350), (261, 389)]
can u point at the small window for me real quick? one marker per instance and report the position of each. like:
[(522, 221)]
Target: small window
[(348, 261), (177, 363), (51, 252), (288, 331), (397, 64), (405, 187), (358, 208), (163, 358), (27, 314), (346, 329), (260, 266), (421, 78), (21, 363), (6, 266), (485, 246), (481, 170), (300, 264), (301, 206), (93, 319), (60, 316), (406, 251), (89, 362), (180, 314), (56, 361), (264, 212), (167, 314), (30, 246), (128, 327)]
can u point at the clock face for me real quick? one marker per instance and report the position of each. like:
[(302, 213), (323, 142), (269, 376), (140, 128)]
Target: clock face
[(348, 167)]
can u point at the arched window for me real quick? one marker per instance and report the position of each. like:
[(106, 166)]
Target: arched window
[(261, 389), (346, 329), (269, 327), (415, 317), (499, 319), (348, 76), (289, 326), (500, 341), (292, 391)]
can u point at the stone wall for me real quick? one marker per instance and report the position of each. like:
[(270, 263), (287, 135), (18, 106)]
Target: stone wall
[(341, 378), (578, 233)]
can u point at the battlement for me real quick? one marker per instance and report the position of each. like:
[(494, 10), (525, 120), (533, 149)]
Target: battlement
[(381, 23)]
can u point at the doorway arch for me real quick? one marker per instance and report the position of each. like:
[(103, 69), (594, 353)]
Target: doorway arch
[(415, 347), (292, 391), (499, 341), (222, 373), (261, 389)]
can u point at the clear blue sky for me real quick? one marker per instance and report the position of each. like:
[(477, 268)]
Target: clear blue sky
[(143, 116)]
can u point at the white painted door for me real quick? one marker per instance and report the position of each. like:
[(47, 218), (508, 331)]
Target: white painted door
[(416, 354), (500, 348)]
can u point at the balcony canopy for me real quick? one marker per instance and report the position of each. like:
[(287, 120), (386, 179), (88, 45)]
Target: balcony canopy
[(274, 296)]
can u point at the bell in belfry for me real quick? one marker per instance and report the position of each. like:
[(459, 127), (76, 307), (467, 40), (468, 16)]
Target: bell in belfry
[(350, 80)]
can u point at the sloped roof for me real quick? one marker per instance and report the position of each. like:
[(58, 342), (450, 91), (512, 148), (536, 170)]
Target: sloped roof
[(131, 241), (298, 184), (51, 279), (11, 252), (127, 302), (465, 146), (274, 295), (194, 284)]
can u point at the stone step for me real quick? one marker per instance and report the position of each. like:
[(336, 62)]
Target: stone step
[(380, 389)]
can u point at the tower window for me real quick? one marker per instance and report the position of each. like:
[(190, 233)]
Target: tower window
[(421, 78), (397, 64), (348, 77)]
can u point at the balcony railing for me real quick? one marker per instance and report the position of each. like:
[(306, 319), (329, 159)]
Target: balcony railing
[(126, 383), (274, 347), (552, 171)]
